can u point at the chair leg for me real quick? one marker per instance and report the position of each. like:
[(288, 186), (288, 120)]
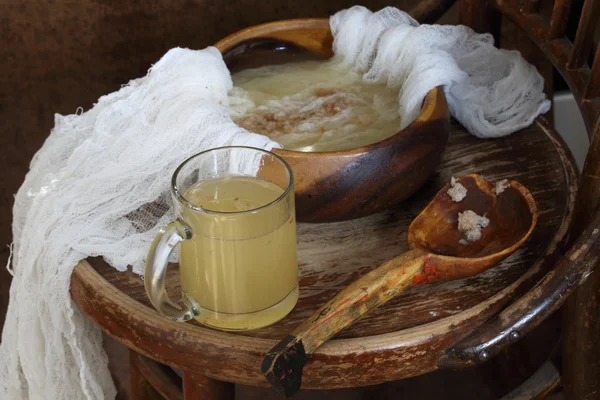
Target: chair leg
[(581, 348), (200, 387), (140, 387), (538, 386)]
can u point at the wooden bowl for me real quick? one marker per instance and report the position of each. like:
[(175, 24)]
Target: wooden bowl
[(342, 185)]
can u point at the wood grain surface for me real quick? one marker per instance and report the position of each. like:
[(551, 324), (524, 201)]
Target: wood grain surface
[(331, 256), (403, 338)]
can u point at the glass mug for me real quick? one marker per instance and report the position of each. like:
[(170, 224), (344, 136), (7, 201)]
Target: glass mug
[(235, 224)]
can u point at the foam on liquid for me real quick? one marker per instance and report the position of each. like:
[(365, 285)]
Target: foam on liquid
[(313, 106)]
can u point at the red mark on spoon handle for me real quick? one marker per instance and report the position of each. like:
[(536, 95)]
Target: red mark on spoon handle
[(429, 273), (321, 322)]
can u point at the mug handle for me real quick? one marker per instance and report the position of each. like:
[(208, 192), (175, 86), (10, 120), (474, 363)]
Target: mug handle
[(156, 268)]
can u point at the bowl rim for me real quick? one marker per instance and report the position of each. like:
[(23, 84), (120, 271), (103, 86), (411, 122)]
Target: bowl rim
[(431, 103)]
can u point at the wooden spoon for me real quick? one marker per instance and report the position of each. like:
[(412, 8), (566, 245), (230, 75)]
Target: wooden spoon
[(438, 253)]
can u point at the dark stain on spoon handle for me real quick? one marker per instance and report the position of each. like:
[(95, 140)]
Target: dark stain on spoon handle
[(283, 365)]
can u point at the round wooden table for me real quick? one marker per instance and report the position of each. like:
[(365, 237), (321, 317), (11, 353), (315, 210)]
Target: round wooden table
[(413, 334)]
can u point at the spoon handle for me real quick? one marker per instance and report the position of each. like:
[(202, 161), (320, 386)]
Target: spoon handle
[(283, 364)]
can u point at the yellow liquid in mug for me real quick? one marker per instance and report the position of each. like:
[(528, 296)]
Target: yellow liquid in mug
[(240, 269)]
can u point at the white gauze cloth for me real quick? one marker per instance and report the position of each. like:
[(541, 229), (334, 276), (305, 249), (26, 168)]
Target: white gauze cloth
[(99, 185), (491, 92), (93, 171)]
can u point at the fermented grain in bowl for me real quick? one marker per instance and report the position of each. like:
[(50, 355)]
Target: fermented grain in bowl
[(314, 106), (361, 178)]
